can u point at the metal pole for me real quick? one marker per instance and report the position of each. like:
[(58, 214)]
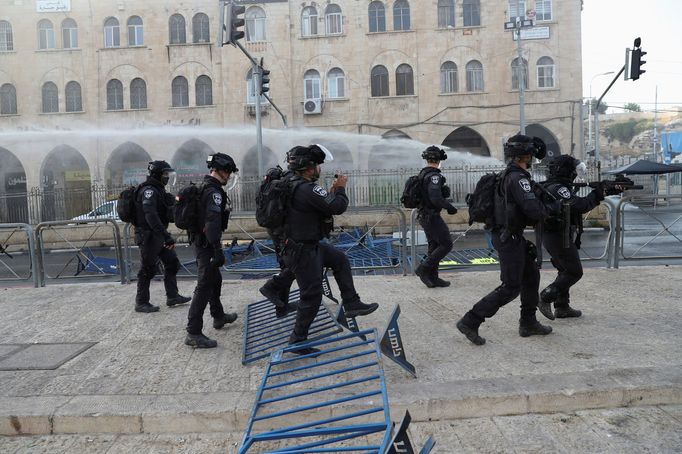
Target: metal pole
[(521, 74), (582, 131), (596, 114), (655, 130), (259, 127)]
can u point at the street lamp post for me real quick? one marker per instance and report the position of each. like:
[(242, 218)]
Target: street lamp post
[(590, 142)]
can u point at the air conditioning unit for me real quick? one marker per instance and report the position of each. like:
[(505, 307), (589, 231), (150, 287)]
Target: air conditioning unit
[(312, 106)]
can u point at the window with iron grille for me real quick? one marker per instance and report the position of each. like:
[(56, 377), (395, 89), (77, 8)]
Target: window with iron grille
[(404, 80), (401, 15), (177, 30), (74, 102), (138, 94), (8, 100), (515, 10), (204, 91), (50, 97), (180, 92), (114, 95), (545, 72), (471, 13), (6, 38), (448, 77), (543, 10), (200, 28), (474, 76), (379, 83)]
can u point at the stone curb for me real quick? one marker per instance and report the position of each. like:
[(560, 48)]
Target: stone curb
[(229, 412)]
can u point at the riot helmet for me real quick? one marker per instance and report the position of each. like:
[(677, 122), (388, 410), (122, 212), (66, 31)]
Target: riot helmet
[(434, 153), (519, 145), (540, 148), (300, 157), (161, 171), (564, 167), (223, 162)]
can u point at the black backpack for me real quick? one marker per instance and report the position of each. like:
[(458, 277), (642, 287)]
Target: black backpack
[(482, 201), (126, 206), (412, 192), (186, 209), (273, 197)]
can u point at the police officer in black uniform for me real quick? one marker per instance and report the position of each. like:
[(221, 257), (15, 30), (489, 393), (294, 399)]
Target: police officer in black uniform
[(435, 194), (565, 258), (516, 205), (309, 220), (213, 216), (153, 213), (277, 288)]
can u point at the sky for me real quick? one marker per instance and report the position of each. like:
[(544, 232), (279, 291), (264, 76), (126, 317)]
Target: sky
[(610, 26)]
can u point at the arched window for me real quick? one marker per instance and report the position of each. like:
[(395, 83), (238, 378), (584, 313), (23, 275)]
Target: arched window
[(404, 80), (333, 19), (309, 21), (176, 29), (112, 33), (114, 95), (180, 90), (519, 72), (471, 13), (377, 17), (255, 24), (8, 100), (200, 30), (446, 13), (138, 94), (311, 85), (50, 97), (336, 83), (474, 76), (204, 91), (135, 31), (448, 77), (69, 34), (45, 35), (401, 15), (379, 81), (6, 39), (74, 101), (545, 72)]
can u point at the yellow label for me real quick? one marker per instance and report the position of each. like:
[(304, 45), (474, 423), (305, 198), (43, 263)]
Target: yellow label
[(449, 262), (484, 261)]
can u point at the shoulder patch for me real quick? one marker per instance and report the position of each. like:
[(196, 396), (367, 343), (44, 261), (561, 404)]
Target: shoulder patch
[(217, 198), (525, 184), (319, 190), (564, 192), (148, 193), (435, 179)]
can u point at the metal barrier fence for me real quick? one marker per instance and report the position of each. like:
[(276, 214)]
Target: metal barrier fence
[(658, 222), (17, 251), (87, 263)]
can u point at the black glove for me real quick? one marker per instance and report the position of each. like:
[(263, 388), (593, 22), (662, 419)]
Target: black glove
[(613, 190), (218, 258), (599, 192), (452, 210)]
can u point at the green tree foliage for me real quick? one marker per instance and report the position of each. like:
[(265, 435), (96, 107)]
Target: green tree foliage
[(624, 131), (632, 107), (602, 106)]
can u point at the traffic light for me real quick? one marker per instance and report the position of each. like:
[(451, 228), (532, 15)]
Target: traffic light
[(636, 61), (232, 22), (264, 80)]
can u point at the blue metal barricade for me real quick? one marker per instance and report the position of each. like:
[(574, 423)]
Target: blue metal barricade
[(18, 257), (333, 400)]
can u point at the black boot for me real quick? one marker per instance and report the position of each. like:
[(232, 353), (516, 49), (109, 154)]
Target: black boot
[(272, 294), (547, 297), (533, 328), (358, 308), (567, 312), (470, 333), (146, 307), (438, 282), (179, 299), (281, 312), (230, 317), (425, 276), (200, 341), (294, 339)]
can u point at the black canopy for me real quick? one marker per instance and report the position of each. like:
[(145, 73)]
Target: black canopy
[(643, 167)]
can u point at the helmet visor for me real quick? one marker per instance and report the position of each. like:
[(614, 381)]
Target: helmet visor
[(581, 170), (328, 157), (171, 177), (232, 181)]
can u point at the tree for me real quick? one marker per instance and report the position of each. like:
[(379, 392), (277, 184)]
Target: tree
[(632, 107), (602, 106)]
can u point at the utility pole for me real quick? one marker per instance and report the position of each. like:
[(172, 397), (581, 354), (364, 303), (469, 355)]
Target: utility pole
[(655, 130), (516, 24)]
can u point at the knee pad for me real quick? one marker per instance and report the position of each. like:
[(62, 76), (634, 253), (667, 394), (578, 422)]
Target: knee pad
[(549, 294)]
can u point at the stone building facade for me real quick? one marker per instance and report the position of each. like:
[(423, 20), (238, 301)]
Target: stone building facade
[(91, 90)]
